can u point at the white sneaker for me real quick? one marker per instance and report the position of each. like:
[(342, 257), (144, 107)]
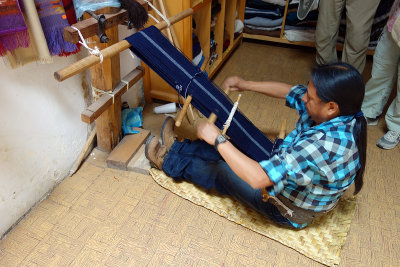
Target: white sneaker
[(389, 140), (304, 8)]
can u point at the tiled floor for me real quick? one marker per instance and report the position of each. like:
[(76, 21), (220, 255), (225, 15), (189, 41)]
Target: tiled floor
[(106, 217)]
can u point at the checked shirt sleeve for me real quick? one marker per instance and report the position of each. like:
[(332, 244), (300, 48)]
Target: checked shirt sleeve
[(294, 167), (293, 98)]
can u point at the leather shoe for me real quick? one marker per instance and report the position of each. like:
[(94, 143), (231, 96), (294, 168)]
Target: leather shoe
[(155, 152), (167, 132)]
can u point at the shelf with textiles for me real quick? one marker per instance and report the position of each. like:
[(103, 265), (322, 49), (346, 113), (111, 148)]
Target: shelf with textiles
[(232, 35), (289, 20), (227, 36), (195, 38), (216, 32)]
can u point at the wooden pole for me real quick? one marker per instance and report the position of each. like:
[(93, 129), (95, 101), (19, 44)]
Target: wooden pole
[(178, 121), (105, 77), (160, 5), (281, 135), (187, 104), (89, 143), (110, 51), (282, 132), (171, 29)]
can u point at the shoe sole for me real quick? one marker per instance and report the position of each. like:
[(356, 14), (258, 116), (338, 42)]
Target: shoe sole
[(162, 129), (386, 147)]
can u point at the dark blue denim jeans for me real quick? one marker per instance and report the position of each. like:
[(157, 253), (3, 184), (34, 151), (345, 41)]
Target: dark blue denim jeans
[(201, 164)]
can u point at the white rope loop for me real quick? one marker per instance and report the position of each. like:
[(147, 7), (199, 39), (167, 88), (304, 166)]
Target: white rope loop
[(95, 51), (159, 13), (151, 16)]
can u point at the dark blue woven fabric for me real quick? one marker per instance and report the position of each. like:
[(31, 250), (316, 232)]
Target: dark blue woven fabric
[(151, 46)]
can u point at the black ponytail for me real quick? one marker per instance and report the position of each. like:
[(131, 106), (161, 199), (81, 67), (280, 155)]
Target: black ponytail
[(360, 136), (342, 83)]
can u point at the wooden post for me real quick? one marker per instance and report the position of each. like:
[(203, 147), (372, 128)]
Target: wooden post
[(105, 77)]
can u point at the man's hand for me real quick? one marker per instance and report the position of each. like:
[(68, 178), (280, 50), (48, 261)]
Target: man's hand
[(233, 83), (208, 132)]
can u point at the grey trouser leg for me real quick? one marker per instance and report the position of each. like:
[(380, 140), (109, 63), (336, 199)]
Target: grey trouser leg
[(379, 87), (359, 18), (329, 13)]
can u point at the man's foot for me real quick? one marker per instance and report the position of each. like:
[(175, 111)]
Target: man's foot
[(167, 133), (155, 152), (372, 122), (389, 140)]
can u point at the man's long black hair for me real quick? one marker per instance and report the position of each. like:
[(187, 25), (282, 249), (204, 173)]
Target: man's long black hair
[(342, 83)]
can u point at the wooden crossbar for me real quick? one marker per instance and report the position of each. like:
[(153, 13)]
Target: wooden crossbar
[(89, 27), (91, 113), (110, 51)]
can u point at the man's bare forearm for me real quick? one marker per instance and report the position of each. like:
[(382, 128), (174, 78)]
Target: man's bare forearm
[(273, 89), (246, 168)]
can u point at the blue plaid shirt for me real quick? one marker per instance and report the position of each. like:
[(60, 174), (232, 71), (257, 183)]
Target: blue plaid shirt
[(315, 164)]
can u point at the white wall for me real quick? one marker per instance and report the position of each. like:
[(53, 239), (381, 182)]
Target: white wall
[(41, 132), (134, 96)]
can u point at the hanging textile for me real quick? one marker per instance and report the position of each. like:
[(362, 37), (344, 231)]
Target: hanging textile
[(13, 30), (37, 50), (53, 19), (151, 46), (71, 16), (69, 11)]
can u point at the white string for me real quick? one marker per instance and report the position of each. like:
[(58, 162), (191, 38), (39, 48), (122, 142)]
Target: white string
[(92, 51), (233, 110), (151, 16), (179, 88), (160, 14), (132, 54), (97, 93), (127, 84)]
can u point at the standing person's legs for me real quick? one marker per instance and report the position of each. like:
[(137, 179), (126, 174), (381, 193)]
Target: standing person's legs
[(329, 14), (359, 17), (379, 87), (182, 162)]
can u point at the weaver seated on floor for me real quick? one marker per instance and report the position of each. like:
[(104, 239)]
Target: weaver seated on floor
[(306, 176)]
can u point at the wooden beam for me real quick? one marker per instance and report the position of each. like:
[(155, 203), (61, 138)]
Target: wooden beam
[(88, 147), (89, 27), (91, 113), (110, 51), (119, 158)]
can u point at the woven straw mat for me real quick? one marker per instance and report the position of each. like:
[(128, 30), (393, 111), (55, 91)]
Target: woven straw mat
[(321, 241)]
